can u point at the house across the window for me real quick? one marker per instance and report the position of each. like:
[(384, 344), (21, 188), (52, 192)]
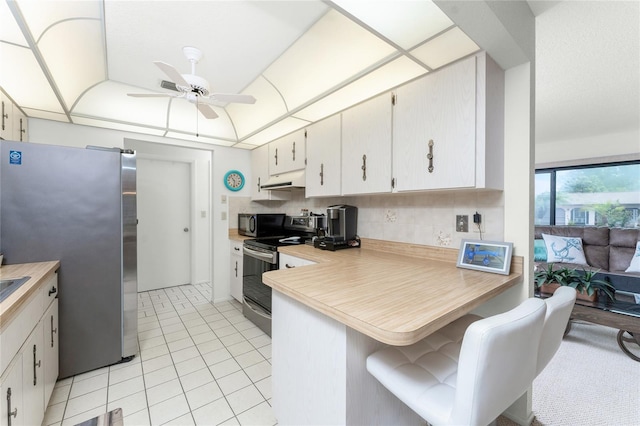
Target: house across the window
[(597, 195)]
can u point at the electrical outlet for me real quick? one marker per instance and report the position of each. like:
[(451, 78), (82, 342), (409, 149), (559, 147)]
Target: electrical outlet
[(462, 223)]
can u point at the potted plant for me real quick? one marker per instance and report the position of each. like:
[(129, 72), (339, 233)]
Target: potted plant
[(586, 285), (548, 280)]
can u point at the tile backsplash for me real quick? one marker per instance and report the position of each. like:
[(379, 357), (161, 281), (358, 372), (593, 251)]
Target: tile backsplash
[(419, 218)]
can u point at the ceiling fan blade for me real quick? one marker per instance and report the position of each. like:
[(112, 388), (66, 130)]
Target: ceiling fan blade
[(150, 95), (172, 73), (227, 97), (206, 110)]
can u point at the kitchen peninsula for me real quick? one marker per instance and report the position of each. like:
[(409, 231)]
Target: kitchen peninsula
[(328, 317)]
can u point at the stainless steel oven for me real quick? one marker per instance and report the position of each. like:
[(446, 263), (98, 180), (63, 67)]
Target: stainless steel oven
[(256, 295)]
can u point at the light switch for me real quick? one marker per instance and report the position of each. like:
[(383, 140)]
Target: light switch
[(223, 199), (223, 216)]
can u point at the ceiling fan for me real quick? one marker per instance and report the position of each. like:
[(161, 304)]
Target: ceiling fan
[(193, 88)]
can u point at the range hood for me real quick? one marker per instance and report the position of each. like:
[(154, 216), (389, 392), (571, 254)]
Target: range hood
[(283, 181)]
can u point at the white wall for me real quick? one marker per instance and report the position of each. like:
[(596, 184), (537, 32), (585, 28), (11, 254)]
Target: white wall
[(212, 162)]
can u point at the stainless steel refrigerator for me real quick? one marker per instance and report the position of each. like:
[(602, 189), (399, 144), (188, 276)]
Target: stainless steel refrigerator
[(78, 206)]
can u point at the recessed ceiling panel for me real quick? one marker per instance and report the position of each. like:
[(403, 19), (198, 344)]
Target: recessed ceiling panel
[(332, 51), (80, 64), (46, 115), (109, 100), (281, 128), (201, 139), (446, 48), (406, 23), (41, 15), (24, 81), (9, 30), (391, 75), (269, 106)]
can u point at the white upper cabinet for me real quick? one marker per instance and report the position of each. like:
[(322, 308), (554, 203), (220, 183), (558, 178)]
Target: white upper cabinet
[(287, 153), (13, 124), (260, 173), (323, 172), (447, 128), (366, 147), (20, 128)]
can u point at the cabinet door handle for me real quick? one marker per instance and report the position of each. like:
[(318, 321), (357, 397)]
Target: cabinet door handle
[(53, 330), (259, 189), (23, 131), (53, 290), (321, 174), (364, 167), (276, 156), (35, 366), (286, 265), (4, 115), (236, 249), (10, 413), (430, 156), (293, 151), (236, 269)]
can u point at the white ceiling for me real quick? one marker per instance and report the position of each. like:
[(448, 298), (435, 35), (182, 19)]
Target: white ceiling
[(75, 61)]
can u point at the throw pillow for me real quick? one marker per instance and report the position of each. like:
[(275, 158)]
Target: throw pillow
[(564, 249), (539, 251), (635, 260)]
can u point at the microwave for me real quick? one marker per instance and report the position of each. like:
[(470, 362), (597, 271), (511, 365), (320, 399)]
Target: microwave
[(260, 224)]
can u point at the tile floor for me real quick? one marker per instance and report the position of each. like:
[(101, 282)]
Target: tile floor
[(199, 364)]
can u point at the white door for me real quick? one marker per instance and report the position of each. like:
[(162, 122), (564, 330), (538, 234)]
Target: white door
[(164, 223)]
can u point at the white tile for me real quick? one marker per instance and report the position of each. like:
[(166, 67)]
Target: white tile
[(199, 329), (252, 333), (185, 354), (244, 325), (84, 416), (169, 321), (157, 363), (196, 379), (249, 358), (190, 316), (232, 339), (130, 404), (240, 348), (180, 344), (189, 366), (264, 386), (54, 413), (148, 334), (265, 351), (152, 342), (164, 391), (260, 341), (261, 414), (160, 376), (125, 373), (213, 317), (233, 382), (90, 384), (90, 374), (59, 394), (168, 410), (213, 413), (244, 399), (140, 418), (85, 402), (125, 388), (258, 371), (178, 335), (224, 368), (203, 395), (165, 315), (148, 326), (210, 346), (133, 361), (216, 356), (217, 325), (154, 352), (233, 421), (204, 337), (186, 420), (173, 328), (64, 382)]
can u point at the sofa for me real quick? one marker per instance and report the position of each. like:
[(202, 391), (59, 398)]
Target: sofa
[(607, 250)]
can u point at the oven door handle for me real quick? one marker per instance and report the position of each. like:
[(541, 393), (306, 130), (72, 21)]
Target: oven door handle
[(256, 308), (266, 257)]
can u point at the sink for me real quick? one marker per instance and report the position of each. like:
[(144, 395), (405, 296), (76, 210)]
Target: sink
[(8, 286)]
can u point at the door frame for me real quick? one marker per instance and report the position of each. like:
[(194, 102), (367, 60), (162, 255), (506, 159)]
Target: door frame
[(192, 204)]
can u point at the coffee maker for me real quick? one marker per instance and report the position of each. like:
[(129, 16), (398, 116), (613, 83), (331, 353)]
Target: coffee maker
[(342, 228)]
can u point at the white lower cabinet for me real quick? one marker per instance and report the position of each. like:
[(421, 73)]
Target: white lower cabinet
[(28, 380), (236, 270)]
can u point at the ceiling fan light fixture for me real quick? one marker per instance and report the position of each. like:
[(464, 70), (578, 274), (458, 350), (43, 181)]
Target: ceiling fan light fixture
[(198, 85)]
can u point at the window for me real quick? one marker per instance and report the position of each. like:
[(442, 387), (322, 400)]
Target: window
[(598, 195)]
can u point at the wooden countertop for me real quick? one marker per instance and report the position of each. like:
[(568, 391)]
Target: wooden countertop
[(233, 235), (393, 292), (39, 272)]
